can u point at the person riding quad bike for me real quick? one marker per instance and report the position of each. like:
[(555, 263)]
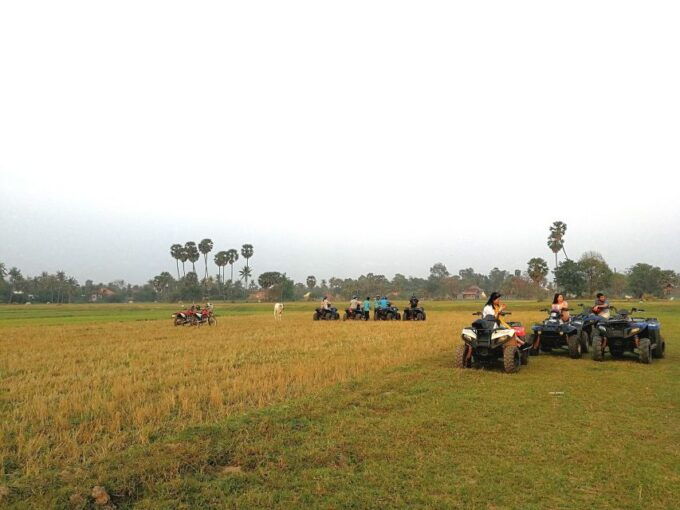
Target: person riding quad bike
[(386, 311), (490, 338), (625, 333), (414, 312), (326, 312), (354, 312), (558, 331)]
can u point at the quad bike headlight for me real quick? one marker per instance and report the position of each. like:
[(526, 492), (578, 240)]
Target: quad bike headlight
[(467, 337)]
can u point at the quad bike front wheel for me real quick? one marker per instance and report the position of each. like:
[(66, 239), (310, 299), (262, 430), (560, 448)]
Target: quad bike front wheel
[(574, 346), (583, 340), (645, 349), (316, 316), (598, 349), (461, 357), (512, 360), (659, 350)]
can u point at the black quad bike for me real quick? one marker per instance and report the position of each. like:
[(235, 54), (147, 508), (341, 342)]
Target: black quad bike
[(391, 313), (414, 313), (354, 314), (587, 321), (625, 333), (486, 342), (552, 333), (330, 314)]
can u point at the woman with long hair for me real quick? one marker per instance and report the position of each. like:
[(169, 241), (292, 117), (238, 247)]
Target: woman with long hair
[(495, 307), (560, 305)]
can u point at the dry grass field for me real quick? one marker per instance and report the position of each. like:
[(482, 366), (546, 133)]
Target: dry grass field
[(150, 411)]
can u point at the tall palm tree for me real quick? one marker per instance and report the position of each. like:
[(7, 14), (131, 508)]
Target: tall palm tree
[(232, 257), (221, 260), (183, 257), (247, 251), (245, 273), (311, 282), (176, 253), (205, 247), (192, 254), (556, 239)]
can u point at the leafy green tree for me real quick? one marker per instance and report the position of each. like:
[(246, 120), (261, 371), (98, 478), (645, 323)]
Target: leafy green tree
[(205, 247), (645, 279), (269, 278), (247, 251), (16, 281), (176, 253), (311, 282), (596, 271), (3, 271), (618, 283), (570, 277), (496, 279), (192, 254), (191, 288), (537, 269)]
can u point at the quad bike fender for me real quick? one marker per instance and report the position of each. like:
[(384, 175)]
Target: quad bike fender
[(467, 332)]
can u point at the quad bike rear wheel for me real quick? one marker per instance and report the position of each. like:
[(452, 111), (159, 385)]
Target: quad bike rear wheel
[(398, 316), (420, 316), (461, 354), (345, 316), (524, 357), (583, 340), (645, 348), (511, 359), (659, 350), (598, 349), (574, 346)]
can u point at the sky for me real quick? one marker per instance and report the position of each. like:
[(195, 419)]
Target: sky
[(339, 138)]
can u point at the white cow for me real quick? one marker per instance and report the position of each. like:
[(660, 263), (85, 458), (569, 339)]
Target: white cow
[(278, 311)]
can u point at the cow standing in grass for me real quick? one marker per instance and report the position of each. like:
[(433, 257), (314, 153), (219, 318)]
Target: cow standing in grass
[(278, 311)]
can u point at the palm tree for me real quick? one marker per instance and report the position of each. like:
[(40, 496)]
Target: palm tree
[(205, 247), (245, 273), (221, 260), (232, 256), (183, 257), (556, 239), (311, 282), (247, 251), (176, 253), (192, 254)]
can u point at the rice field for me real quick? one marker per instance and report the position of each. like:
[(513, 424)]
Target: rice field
[(164, 416)]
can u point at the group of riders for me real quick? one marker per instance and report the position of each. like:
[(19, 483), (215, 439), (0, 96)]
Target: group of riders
[(363, 308), (495, 308)]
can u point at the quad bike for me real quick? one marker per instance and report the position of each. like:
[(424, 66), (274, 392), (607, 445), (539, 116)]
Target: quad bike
[(587, 321), (391, 313), (487, 341), (414, 314), (553, 333), (326, 314), (624, 333), (355, 314)]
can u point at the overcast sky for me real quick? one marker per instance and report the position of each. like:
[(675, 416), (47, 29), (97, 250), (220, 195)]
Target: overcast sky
[(339, 138)]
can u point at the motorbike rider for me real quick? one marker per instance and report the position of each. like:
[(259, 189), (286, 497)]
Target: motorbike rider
[(384, 303), (602, 307), (413, 301), (561, 306)]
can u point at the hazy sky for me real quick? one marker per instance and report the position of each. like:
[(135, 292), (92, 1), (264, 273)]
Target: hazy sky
[(337, 137)]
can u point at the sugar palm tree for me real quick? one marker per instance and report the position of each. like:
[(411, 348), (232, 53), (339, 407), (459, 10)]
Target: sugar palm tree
[(183, 257), (192, 254), (556, 239), (205, 247), (221, 260), (232, 257), (247, 251), (176, 253), (311, 282)]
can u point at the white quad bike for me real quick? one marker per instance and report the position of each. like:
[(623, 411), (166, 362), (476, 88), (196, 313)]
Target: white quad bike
[(487, 341)]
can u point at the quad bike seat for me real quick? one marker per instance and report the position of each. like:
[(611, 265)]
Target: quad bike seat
[(484, 324)]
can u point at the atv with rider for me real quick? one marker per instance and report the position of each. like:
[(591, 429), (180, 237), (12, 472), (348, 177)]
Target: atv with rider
[(326, 314), (414, 312), (556, 333), (355, 314), (587, 320), (387, 313), (624, 333), (487, 341)]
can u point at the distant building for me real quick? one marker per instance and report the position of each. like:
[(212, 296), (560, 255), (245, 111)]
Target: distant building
[(101, 293), (473, 292)]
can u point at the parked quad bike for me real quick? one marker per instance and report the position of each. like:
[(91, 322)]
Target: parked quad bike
[(623, 333), (391, 313), (414, 314), (486, 342), (354, 315), (329, 314), (552, 333)]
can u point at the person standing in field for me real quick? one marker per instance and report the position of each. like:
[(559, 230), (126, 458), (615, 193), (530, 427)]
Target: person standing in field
[(367, 307)]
